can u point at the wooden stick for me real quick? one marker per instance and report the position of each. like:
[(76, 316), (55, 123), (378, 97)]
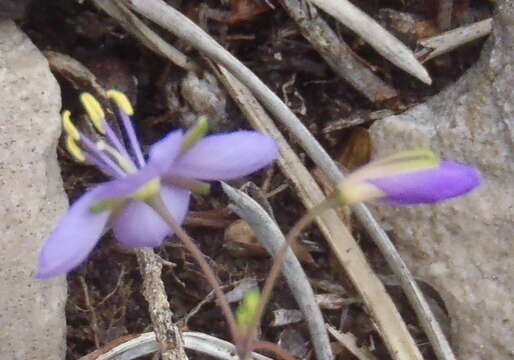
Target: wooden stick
[(132, 24), (169, 336), (446, 42), (338, 55), (373, 33)]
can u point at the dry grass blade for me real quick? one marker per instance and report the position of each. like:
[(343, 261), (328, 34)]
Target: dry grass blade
[(391, 325), (350, 342), (146, 344), (386, 44), (273, 240), (143, 33), (452, 39), (336, 52)]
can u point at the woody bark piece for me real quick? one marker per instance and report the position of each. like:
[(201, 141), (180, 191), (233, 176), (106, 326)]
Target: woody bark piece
[(338, 55), (446, 42), (168, 335), (143, 33), (373, 33)]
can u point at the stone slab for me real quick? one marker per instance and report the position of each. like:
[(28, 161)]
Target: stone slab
[(464, 247), (32, 323)]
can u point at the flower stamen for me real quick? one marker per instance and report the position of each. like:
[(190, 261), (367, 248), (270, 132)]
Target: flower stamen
[(69, 127), (94, 110), (125, 110), (74, 149), (121, 101), (124, 163), (99, 158)]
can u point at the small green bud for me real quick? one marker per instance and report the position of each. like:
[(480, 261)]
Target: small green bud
[(248, 307)]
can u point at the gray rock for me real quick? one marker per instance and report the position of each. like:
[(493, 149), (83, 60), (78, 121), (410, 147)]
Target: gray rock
[(464, 247), (32, 323)]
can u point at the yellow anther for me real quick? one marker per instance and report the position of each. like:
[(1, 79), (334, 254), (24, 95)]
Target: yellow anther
[(74, 149), (125, 164), (68, 126), (149, 190), (94, 110), (121, 100)]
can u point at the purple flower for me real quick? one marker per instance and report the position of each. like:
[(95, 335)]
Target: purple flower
[(176, 165), (447, 180), (412, 177)]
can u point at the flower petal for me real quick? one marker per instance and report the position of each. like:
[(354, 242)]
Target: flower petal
[(226, 156), (448, 180), (80, 229), (75, 236), (164, 152), (138, 225)]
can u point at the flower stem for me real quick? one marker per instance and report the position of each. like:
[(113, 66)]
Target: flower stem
[(305, 220), (158, 205)]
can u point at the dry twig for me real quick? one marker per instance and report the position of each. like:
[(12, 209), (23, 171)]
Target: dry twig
[(168, 335), (373, 33), (92, 312), (73, 71), (350, 342), (336, 52), (143, 33), (116, 287), (446, 42)]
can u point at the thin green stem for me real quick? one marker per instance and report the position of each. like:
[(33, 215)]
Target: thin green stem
[(161, 209), (280, 257)]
